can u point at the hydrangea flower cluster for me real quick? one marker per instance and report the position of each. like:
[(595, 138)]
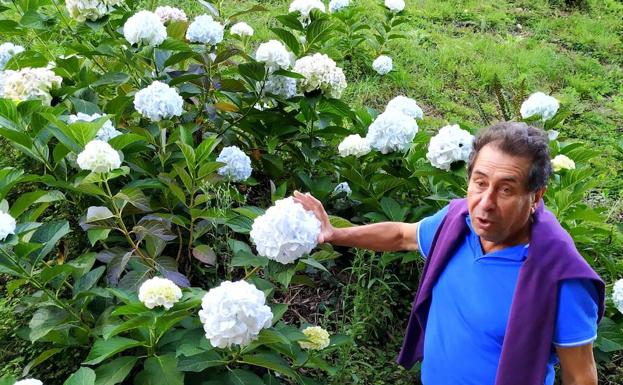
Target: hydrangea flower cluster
[(237, 164), (29, 83), (451, 144), (274, 55), (562, 162), (383, 64), (392, 131), (354, 145), (7, 51), (318, 338), (241, 29), (106, 133), (167, 13), (205, 30), (285, 231), (405, 105), (305, 7), (29, 381), (7, 225), (342, 188), (144, 27), (158, 101), (98, 156), (336, 5), (234, 313), (321, 73), (395, 5), (617, 295), (539, 104), (159, 292), (280, 85), (83, 10)]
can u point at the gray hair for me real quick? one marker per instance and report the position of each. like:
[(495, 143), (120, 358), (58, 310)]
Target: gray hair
[(518, 139)]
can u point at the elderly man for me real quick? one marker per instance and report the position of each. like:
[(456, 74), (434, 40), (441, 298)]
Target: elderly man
[(504, 294)]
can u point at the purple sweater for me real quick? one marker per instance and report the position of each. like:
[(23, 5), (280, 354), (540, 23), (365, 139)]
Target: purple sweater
[(552, 257)]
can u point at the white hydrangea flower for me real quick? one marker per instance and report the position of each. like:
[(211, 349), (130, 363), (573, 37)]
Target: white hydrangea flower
[(539, 104), (383, 64), (317, 336), (321, 73), (98, 156), (166, 14), (285, 231), (241, 29), (392, 131), (106, 133), (617, 294), (552, 134), (144, 27), (158, 101), (83, 10), (237, 164), (450, 145), (274, 54), (30, 83), (562, 162), (7, 51), (205, 30), (354, 145), (159, 292), (7, 225), (336, 5), (405, 105), (305, 7), (280, 85), (29, 381), (234, 313), (342, 187), (395, 5)]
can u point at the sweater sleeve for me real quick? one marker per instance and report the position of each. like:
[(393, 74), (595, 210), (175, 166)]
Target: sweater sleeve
[(576, 322)]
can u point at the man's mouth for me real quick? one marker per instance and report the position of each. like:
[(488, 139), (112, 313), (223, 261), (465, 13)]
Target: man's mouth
[(483, 223)]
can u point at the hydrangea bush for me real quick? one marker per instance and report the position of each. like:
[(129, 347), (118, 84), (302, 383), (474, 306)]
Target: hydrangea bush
[(177, 140)]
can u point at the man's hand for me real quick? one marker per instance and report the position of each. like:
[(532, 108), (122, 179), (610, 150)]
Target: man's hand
[(384, 236), (577, 365), (314, 205)]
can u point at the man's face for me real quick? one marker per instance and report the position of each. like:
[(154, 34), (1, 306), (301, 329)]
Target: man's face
[(498, 200)]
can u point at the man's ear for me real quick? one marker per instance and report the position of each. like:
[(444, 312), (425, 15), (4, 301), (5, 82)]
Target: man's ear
[(538, 195)]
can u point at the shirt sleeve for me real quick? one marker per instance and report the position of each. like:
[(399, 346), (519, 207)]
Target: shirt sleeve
[(576, 323), (427, 229)]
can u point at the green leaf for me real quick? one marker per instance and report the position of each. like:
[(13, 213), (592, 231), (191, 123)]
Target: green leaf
[(44, 321), (122, 141), (34, 197), (174, 45), (115, 371), (115, 78), (132, 323), (270, 361), (392, 209), (84, 376), (339, 222), (244, 377), (314, 263), (95, 235), (205, 254), (131, 308), (103, 349), (49, 234), (288, 39), (253, 70), (88, 280), (200, 362), (246, 259), (45, 355), (160, 370)]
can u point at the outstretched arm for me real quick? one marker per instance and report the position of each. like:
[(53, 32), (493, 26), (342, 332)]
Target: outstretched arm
[(577, 365), (384, 236)]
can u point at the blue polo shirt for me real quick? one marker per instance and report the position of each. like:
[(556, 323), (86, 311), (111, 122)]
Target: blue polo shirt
[(471, 304)]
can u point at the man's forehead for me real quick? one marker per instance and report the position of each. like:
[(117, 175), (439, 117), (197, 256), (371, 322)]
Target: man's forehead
[(495, 163)]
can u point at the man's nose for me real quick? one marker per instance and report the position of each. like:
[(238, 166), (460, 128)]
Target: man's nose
[(487, 201)]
